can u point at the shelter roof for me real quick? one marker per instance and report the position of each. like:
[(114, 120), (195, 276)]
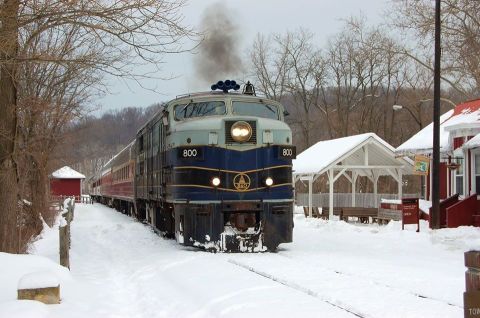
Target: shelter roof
[(67, 173), (465, 115), (361, 152)]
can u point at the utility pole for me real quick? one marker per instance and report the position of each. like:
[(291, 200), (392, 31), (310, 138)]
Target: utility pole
[(435, 217)]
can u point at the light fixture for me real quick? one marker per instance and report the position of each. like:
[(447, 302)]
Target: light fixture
[(241, 131), (269, 181), (216, 181)]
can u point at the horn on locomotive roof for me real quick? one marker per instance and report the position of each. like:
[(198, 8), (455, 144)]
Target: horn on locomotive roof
[(249, 89), (225, 86)]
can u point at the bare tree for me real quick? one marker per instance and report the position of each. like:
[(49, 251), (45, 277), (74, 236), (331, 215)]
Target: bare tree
[(460, 38), (270, 67), (8, 125), (290, 65), (52, 55), (306, 76), (351, 85)]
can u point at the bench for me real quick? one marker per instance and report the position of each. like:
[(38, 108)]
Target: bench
[(316, 212), (336, 210), (386, 215), (363, 214)]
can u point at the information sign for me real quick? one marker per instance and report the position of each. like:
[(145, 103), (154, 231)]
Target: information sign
[(410, 212), (421, 165)]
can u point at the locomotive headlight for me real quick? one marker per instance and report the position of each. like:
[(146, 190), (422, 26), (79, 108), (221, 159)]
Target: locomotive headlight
[(216, 181), (241, 131), (269, 181)]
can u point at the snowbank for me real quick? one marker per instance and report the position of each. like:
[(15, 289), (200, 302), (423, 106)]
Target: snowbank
[(23, 271), (14, 267), (23, 309)]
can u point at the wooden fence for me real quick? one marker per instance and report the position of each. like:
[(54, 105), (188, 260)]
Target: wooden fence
[(84, 198), (367, 200)]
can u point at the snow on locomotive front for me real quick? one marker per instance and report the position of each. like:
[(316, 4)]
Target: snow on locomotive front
[(231, 180)]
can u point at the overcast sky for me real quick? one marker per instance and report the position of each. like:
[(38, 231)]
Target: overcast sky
[(322, 17)]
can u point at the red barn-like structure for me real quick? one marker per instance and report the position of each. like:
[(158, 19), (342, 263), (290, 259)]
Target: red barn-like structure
[(66, 182)]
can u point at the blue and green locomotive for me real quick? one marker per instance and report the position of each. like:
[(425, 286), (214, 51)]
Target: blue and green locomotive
[(214, 170)]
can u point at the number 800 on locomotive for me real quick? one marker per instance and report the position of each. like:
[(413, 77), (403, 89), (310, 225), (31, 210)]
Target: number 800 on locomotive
[(213, 170)]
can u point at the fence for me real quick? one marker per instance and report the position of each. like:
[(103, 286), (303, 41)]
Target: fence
[(367, 200), (84, 198)]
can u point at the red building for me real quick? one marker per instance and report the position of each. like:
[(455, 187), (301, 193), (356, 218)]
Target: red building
[(66, 182), (460, 163)]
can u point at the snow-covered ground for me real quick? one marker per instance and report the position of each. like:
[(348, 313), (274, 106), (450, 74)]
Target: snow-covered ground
[(121, 268)]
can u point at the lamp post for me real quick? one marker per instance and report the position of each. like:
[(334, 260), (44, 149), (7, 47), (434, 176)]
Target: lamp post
[(418, 120), (361, 99), (400, 107)]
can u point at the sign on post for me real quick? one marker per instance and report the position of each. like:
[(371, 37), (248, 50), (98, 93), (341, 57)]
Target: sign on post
[(421, 165), (410, 212)]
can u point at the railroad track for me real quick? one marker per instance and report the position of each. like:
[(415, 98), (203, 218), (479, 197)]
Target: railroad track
[(351, 308), (383, 284), (297, 287)]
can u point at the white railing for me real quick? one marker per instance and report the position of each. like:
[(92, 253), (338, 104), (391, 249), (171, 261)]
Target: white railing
[(367, 200)]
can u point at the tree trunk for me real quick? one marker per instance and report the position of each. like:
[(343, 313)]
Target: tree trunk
[(9, 241)]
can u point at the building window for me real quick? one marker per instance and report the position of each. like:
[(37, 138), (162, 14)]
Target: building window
[(458, 142), (459, 177), (477, 173)]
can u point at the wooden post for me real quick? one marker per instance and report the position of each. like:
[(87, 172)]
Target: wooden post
[(70, 209), (48, 295), (310, 189), (471, 296), (330, 194), (65, 236), (64, 246), (40, 286)]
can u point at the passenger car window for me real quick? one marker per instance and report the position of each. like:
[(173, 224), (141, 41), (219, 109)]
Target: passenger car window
[(255, 109), (199, 109)]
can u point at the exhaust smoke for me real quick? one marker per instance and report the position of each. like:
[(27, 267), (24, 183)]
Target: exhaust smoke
[(218, 57)]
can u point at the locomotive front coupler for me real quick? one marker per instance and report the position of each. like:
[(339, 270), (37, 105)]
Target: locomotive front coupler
[(242, 215)]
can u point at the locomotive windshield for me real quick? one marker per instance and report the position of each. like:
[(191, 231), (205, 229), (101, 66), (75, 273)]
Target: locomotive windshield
[(199, 109), (255, 109)]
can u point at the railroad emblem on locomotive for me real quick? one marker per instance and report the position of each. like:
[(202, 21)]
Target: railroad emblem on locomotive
[(241, 182)]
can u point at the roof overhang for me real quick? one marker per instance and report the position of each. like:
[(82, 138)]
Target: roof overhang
[(365, 154)]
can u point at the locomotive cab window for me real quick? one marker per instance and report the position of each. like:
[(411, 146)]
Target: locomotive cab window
[(199, 109), (255, 109)]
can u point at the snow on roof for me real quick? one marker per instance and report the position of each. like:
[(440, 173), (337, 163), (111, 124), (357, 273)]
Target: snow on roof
[(472, 143), (325, 153), (466, 115), (67, 173), (421, 142)]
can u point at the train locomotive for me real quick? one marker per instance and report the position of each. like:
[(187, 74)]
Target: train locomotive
[(213, 170)]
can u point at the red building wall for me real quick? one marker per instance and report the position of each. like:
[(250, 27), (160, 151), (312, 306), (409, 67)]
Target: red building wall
[(65, 187)]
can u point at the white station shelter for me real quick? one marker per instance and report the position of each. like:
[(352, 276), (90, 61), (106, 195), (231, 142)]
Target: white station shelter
[(359, 155)]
